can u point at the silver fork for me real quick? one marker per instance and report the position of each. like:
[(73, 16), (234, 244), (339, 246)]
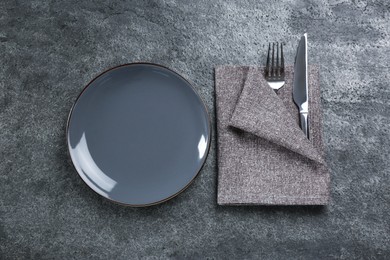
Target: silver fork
[(274, 73)]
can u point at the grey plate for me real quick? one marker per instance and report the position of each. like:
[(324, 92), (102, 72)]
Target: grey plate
[(138, 134)]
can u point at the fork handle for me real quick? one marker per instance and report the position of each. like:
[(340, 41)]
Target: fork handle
[(304, 120)]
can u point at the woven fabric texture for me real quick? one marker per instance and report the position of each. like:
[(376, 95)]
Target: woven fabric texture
[(264, 158)]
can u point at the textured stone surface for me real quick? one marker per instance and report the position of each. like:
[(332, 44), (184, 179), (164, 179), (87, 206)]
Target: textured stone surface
[(51, 49)]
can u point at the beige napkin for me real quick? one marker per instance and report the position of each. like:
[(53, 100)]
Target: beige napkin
[(264, 158)]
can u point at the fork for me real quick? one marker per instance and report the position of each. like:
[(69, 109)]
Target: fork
[(275, 75)]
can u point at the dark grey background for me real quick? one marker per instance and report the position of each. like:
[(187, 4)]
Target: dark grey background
[(51, 49)]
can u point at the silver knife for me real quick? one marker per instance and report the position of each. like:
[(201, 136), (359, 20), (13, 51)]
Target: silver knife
[(300, 85)]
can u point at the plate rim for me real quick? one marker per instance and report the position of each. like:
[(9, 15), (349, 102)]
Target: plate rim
[(209, 125)]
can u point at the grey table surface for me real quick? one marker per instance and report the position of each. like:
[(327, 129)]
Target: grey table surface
[(51, 49)]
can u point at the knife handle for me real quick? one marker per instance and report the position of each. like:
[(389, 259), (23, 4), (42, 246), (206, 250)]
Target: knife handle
[(304, 120)]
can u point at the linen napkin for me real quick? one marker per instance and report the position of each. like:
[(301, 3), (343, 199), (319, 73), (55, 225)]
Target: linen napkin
[(264, 158)]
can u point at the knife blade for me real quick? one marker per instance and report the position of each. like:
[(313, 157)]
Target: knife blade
[(300, 84)]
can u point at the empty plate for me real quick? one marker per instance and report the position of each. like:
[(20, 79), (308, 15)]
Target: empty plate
[(138, 134)]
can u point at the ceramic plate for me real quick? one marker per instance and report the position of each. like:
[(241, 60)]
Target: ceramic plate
[(138, 134)]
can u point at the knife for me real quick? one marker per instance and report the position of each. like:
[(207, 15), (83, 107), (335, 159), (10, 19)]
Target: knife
[(300, 84)]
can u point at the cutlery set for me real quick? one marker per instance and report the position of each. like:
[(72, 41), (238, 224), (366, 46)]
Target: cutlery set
[(275, 76)]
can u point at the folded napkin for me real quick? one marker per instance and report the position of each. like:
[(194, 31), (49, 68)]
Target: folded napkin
[(264, 158)]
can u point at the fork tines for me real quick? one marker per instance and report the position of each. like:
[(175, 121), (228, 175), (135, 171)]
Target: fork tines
[(272, 71)]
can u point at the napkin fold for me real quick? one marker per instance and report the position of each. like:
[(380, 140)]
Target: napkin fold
[(264, 158)]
